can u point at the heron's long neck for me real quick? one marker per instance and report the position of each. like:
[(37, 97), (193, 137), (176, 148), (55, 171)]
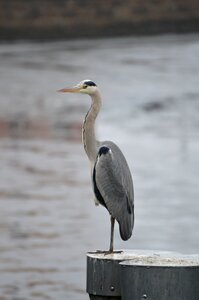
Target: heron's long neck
[(88, 131)]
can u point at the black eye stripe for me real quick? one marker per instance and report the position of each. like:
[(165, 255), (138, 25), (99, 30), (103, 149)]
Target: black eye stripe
[(90, 83)]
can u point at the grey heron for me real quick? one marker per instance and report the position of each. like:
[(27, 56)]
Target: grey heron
[(111, 178)]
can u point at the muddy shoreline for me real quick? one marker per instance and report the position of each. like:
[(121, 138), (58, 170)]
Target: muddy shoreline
[(49, 20), (143, 28)]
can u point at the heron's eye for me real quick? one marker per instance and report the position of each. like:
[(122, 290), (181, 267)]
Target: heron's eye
[(84, 86)]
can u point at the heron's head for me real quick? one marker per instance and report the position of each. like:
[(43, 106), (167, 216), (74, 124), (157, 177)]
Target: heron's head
[(85, 87)]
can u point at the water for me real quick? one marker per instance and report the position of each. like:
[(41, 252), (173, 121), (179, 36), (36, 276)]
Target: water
[(47, 217)]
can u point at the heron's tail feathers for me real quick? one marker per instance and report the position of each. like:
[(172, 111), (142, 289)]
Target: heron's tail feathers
[(126, 226)]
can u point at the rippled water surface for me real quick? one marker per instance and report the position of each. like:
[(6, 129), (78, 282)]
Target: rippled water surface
[(151, 110)]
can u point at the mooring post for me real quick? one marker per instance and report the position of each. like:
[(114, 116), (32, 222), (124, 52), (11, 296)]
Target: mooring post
[(103, 275), (160, 277), (138, 275)]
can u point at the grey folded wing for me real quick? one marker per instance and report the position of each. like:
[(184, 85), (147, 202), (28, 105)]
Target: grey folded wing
[(114, 182)]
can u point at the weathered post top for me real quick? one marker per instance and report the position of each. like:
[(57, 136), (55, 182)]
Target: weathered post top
[(167, 259)]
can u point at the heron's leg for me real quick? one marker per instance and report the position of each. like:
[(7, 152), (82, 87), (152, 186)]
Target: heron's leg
[(112, 234)]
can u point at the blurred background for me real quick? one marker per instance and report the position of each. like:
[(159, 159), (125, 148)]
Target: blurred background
[(144, 57)]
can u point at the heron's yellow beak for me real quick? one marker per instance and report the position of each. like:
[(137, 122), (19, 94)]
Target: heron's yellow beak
[(74, 89)]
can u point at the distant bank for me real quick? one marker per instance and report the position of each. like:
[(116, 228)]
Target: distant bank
[(62, 19)]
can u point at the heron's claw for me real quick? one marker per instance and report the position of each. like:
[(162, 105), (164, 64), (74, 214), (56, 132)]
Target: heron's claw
[(106, 252)]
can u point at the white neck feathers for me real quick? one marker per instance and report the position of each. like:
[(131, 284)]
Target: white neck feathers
[(88, 130)]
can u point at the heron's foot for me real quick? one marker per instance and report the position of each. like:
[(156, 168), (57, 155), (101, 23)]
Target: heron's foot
[(106, 252), (112, 252)]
